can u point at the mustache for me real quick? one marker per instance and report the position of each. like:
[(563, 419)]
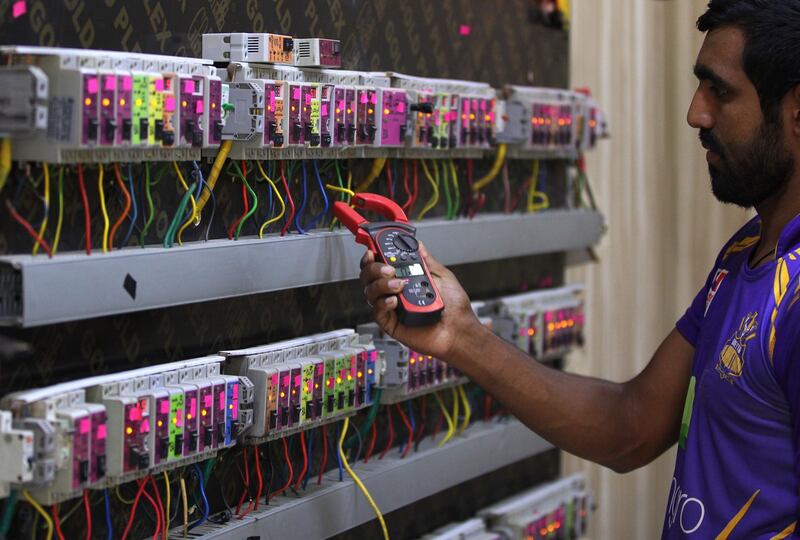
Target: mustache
[(709, 141)]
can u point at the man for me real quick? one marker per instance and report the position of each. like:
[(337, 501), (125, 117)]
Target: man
[(725, 383)]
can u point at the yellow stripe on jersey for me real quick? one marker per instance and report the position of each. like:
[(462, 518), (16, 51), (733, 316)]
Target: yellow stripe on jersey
[(726, 532)]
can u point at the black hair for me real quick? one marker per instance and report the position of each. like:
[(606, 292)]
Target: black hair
[(771, 57)]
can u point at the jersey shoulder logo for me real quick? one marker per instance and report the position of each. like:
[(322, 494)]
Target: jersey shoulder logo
[(719, 276), (731, 360)]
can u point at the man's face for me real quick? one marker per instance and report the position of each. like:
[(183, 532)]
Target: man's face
[(748, 159)]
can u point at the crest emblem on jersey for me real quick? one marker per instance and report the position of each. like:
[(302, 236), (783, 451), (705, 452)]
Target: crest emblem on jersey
[(731, 359), (715, 283)]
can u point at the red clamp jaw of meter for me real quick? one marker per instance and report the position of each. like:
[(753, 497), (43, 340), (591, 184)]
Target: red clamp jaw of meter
[(355, 221), (394, 242)]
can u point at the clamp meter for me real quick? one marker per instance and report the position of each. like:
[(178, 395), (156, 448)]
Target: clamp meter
[(394, 243)]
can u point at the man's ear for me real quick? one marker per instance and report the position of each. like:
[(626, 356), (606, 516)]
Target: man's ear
[(794, 107)]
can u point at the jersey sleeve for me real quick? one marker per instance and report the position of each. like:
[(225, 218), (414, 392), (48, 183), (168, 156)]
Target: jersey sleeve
[(786, 360), (689, 324)]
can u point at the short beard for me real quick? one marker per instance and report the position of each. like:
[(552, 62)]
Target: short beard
[(753, 173)]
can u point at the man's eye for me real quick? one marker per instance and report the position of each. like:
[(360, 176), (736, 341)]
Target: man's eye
[(719, 92)]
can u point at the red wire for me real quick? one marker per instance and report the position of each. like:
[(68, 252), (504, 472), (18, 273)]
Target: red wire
[(158, 500), (21, 220), (156, 508), (291, 202), (57, 521), (246, 484), (305, 461), (232, 229), (324, 454), (289, 464), (391, 433), (124, 212), (88, 508), (259, 476), (86, 218), (389, 179), (372, 438), (404, 418), (133, 510)]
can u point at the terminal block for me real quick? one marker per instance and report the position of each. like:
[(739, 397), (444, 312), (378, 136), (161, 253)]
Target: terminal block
[(318, 52), (17, 449), (241, 47), (545, 324), (23, 100)]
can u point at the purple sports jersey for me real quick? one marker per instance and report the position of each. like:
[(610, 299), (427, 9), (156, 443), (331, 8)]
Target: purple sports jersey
[(737, 469)]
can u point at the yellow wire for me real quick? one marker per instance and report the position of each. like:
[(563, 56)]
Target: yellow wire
[(456, 191), (57, 237), (185, 508), (121, 498), (499, 158), (5, 161), (280, 200), (103, 206), (213, 176), (42, 513), (534, 193), (349, 179), (169, 501), (348, 191), (467, 409), (446, 417), (338, 189), (358, 482), (455, 411), (191, 199), (43, 228), (374, 172), (434, 200)]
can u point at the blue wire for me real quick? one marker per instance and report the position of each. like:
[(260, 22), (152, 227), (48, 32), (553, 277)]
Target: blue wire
[(321, 215), (394, 177), (338, 454), (135, 213), (200, 521), (303, 204), (308, 471), (109, 525)]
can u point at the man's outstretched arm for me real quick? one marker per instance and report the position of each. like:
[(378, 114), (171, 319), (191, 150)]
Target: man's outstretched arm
[(620, 425)]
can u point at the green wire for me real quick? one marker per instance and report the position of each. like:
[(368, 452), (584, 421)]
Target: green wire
[(449, 211), (457, 195), (8, 512), (373, 413), (169, 238), (207, 472), (252, 194), (339, 179), (149, 203)]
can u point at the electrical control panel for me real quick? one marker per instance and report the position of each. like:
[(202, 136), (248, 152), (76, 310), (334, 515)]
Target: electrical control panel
[(472, 529), (112, 106), (560, 509), (305, 382), (114, 428), (545, 324), (241, 47), (318, 52)]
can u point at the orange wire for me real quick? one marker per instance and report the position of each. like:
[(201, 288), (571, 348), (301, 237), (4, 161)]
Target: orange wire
[(289, 465), (87, 220), (246, 485), (124, 212), (27, 226), (158, 500), (305, 461)]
